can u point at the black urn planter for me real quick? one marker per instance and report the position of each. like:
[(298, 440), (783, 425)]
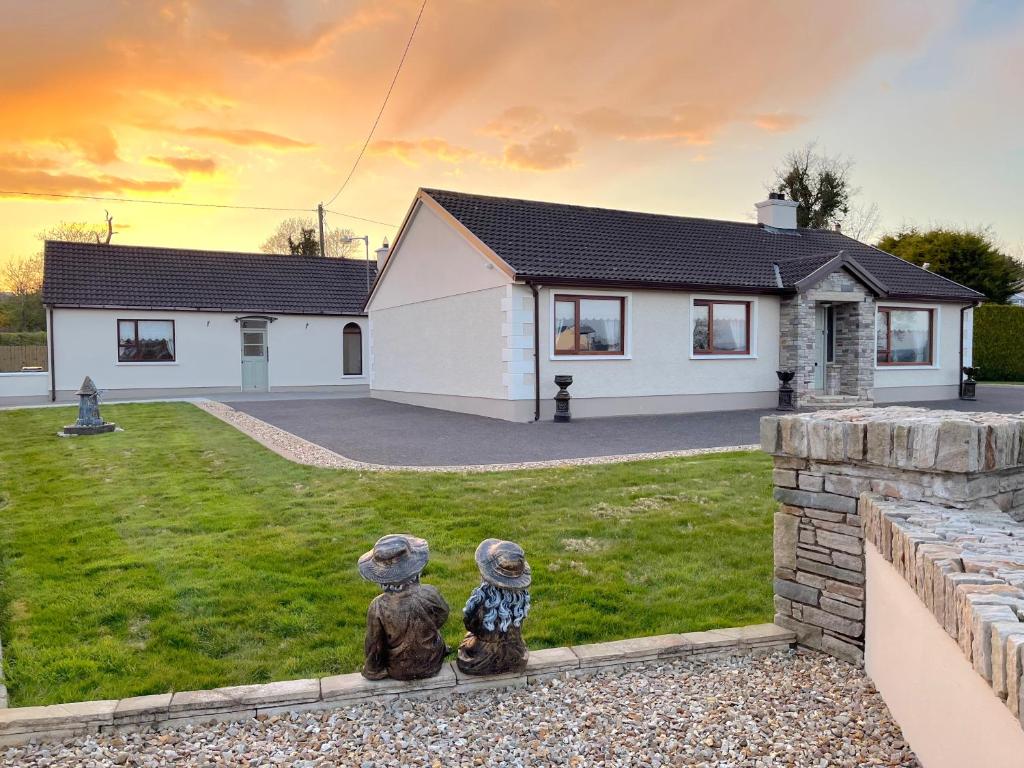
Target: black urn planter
[(969, 386), (787, 396), (562, 398)]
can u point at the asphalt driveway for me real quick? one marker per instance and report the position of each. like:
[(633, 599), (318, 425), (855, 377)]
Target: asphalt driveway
[(381, 432)]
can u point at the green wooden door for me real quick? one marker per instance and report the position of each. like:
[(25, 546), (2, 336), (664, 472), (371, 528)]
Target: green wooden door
[(255, 356)]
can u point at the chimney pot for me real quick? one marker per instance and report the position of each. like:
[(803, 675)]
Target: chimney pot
[(776, 196)]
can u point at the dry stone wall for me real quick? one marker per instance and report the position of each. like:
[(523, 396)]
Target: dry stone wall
[(826, 461)]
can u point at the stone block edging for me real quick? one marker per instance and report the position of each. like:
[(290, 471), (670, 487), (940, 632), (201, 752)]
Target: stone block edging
[(19, 725), (302, 451), (3, 688)]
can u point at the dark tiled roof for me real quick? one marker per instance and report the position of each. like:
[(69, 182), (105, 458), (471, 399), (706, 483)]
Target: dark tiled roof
[(90, 275), (569, 242)]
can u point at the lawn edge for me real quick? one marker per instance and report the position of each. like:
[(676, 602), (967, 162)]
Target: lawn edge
[(20, 725), (301, 451)]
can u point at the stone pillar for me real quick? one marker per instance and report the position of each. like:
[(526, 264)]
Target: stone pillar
[(796, 341), (855, 346), (825, 461)]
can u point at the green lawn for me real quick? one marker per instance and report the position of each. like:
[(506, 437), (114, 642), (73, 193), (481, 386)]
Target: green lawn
[(179, 554)]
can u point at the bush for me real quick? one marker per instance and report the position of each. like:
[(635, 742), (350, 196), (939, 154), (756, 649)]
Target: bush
[(999, 342), (23, 339)]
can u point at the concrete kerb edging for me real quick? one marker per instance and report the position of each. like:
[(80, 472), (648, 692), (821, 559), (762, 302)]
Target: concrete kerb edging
[(3, 688), (302, 451), (20, 725)]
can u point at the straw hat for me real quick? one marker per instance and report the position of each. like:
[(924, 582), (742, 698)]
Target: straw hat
[(503, 564), (395, 558)]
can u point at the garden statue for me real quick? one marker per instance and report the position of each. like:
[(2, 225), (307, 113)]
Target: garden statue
[(403, 638), (495, 612), (89, 421)]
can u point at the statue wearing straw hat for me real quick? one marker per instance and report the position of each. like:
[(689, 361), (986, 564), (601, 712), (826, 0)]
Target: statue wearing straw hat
[(403, 638), (495, 612)]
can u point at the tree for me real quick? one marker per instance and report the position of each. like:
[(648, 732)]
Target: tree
[(80, 232), (23, 279), (307, 244), (293, 228), (965, 256), (820, 183)]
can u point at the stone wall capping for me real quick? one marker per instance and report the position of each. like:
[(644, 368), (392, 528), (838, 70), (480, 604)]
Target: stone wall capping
[(19, 725)]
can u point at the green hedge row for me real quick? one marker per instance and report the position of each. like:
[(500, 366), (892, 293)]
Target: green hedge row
[(23, 339), (999, 342)]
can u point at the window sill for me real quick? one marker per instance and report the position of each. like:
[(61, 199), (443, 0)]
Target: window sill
[(145, 363), (571, 358), (723, 357), (907, 367), (353, 375)]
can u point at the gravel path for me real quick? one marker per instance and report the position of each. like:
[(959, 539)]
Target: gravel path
[(302, 451), (782, 709)]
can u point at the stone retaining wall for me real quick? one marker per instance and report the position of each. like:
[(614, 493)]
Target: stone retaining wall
[(967, 568), (165, 710), (823, 463)]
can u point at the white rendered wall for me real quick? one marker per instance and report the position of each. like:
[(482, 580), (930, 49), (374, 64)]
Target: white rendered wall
[(949, 715), (446, 346), (659, 360), (945, 369), (436, 318), (305, 351)]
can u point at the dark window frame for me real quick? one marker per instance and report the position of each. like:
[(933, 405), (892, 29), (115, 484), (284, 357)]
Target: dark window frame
[(135, 322), (711, 351), (575, 299), (930, 362), (358, 331)]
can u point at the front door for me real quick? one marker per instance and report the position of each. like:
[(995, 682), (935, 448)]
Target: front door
[(255, 356), (823, 319)]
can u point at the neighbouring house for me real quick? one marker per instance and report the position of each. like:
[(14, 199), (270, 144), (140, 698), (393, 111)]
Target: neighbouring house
[(1017, 300), (481, 301), (152, 321)]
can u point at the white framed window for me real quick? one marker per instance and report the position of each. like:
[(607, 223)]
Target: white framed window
[(906, 337), (352, 350), (722, 327)]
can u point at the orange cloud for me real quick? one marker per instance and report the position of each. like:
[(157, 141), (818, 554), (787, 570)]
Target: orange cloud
[(778, 122), (17, 159), (515, 121), (691, 124), (244, 137), (69, 183), (205, 165), (547, 151), (406, 151)]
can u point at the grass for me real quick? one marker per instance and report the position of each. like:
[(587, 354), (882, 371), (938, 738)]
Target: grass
[(179, 554)]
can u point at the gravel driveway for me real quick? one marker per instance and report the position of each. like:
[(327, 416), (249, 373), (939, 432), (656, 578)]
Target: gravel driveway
[(783, 709), (381, 432)]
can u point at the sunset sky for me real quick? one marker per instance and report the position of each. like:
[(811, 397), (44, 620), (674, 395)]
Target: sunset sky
[(666, 106)]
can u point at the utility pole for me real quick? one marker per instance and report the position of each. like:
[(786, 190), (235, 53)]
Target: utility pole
[(320, 216)]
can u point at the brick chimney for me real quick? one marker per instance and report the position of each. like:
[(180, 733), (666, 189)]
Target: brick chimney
[(777, 212)]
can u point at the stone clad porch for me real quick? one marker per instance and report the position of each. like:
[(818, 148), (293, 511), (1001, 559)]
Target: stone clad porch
[(827, 334)]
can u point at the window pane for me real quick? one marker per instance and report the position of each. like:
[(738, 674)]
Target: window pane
[(730, 329), (252, 338), (125, 341), (565, 326), (352, 350), (252, 350), (700, 328), (600, 325), (882, 338), (156, 340), (910, 336)]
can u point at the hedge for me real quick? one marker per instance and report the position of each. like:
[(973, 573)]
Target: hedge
[(999, 342), (23, 339)]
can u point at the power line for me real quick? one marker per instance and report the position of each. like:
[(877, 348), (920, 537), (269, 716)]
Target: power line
[(10, 193), (361, 218), (387, 96)]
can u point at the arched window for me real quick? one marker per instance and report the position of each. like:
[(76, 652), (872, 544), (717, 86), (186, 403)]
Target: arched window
[(352, 350)]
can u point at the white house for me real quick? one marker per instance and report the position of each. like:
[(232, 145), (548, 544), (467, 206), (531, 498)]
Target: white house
[(481, 301), (152, 321)]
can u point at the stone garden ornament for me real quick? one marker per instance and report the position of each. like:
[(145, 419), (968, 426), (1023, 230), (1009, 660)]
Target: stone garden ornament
[(89, 421), (495, 612), (403, 638)]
